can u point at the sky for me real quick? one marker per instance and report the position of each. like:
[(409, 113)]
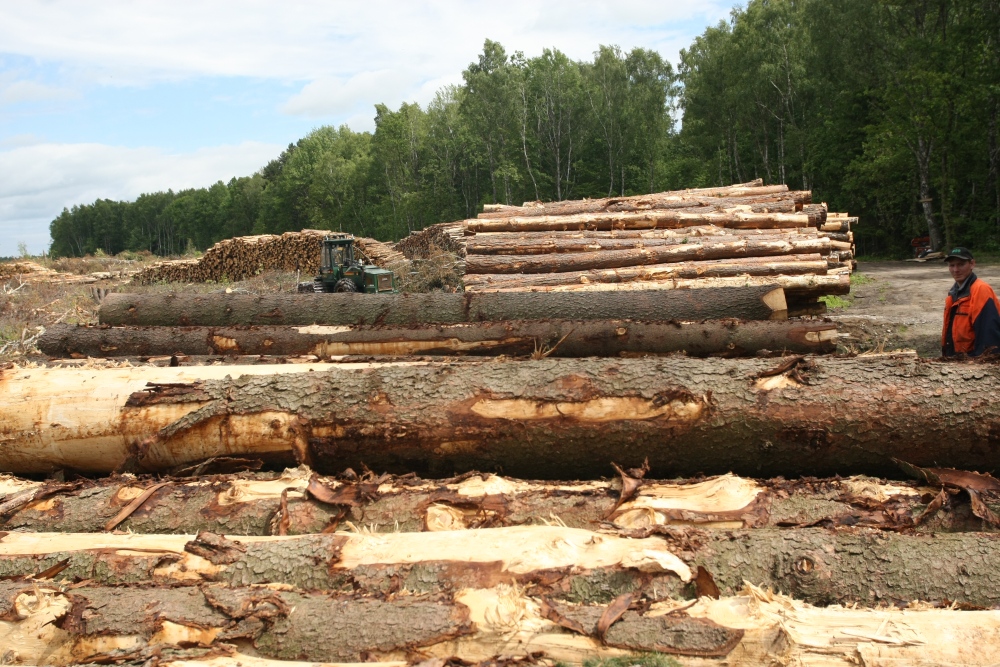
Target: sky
[(107, 99)]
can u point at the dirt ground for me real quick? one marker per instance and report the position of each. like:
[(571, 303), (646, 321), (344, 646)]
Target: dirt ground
[(899, 305)]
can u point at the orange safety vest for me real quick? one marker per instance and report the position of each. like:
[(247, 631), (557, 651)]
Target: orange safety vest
[(961, 312)]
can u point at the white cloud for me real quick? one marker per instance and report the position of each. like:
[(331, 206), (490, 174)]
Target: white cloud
[(38, 181), (32, 91), (337, 96)]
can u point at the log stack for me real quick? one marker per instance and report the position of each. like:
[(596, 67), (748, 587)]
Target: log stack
[(660, 241), (246, 256)]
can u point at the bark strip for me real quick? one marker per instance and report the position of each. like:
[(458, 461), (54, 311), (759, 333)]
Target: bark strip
[(560, 338), (429, 308)]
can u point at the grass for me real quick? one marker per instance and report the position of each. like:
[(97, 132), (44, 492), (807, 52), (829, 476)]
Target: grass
[(834, 301), (641, 660), (861, 279)]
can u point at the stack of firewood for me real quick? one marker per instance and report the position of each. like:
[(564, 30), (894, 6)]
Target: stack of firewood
[(203, 566), (688, 238), (246, 256)]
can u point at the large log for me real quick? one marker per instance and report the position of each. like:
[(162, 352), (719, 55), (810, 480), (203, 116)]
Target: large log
[(644, 256), (654, 219), (795, 286), (552, 418), (778, 267), (268, 504), (818, 565), (759, 302), (559, 338)]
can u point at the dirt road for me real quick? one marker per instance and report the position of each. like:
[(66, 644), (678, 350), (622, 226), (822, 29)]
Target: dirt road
[(896, 305)]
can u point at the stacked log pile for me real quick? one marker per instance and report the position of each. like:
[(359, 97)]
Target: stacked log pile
[(246, 256), (24, 271), (660, 241)]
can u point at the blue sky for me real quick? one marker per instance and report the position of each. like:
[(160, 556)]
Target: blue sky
[(111, 99)]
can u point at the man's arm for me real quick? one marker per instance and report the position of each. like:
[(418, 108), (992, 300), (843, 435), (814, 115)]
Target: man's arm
[(987, 328)]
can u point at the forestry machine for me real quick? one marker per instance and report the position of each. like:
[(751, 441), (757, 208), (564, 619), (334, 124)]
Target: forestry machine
[(340, 272)]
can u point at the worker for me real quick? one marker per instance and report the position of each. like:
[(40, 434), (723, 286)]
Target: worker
[(971, 310)]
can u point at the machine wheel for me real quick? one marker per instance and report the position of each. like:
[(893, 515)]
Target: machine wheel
[(345, 285)]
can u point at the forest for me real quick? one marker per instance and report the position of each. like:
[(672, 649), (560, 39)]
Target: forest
[(884, 108)]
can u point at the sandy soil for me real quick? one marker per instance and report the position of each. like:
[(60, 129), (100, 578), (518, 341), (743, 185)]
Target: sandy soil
[(898, 305)]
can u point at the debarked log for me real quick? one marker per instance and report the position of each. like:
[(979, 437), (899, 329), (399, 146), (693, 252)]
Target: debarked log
[(818, 565), (271, 504), (652, 219), (560, 338), (644, 256), (547, 418), (757, 303)]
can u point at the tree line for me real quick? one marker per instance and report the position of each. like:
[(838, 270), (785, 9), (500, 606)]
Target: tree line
[(887, 109)]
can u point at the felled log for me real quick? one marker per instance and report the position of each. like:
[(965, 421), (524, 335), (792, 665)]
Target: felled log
[(797, 287), (653, 219), (817, 565), (559, 338), (550, 418), (268, 504), (787, 265), (53, 626), (644, 256), (755, 303)]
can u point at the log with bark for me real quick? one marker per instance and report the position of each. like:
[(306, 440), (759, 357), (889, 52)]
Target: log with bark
[(777, 267), (644, 256), (654, 219), (271, 504), (758, 302), (559, 338), (796, 287), (550, 418), (89, 624), (819, 565)]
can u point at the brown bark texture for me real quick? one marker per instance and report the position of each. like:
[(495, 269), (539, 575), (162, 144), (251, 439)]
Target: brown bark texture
[(560, 338), (549, 418), (427, 308), (656, 254), (252, 504)]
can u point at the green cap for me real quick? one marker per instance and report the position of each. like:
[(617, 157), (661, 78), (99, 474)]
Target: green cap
[(959, 253)]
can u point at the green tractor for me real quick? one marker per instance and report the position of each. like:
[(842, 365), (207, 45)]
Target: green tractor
[(340, 272)]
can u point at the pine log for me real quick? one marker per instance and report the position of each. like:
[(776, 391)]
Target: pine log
[(537, 243), (795, 286), (559, 338), (655, 219), (49, 625), (550, 418), (253, 504), (817, 565), (756, 303), (643, 256), (786, 265)]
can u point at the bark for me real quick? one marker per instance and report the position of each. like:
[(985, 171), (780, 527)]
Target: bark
[(566, 563), (795, 286), (89, 623), (817, 565), (550, 418), (251, 505), (654, 219), (643, 256), (787, 265), (535, 243), (428, 308), (559, 338)]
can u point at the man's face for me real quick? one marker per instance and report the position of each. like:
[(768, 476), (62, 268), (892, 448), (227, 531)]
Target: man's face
[(961, 268)]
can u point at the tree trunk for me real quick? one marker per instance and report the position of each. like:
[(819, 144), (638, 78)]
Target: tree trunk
[(796, 287), (643, 256), (550, 418), (774, 267), (560, 338), (535, 243), (754, 303), (54, 626), (817, 565), (923, 156), (655, 219), (252, 505)]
